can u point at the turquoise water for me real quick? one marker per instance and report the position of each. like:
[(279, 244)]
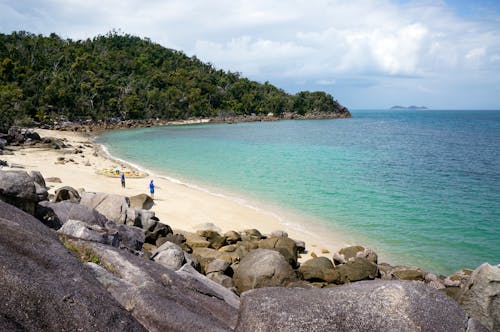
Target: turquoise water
[(422, 186)]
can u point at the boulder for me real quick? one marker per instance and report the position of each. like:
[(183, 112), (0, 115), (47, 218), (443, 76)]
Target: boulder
[(53, 180), (159, 230), (404, 273), (263, 268), (481, 296), (216, 240), (221, 279), (217, 265), (141, 201), (206, 255), (251, 235), (278, 234), (169, 255), (45, 288), (349, 253), (161, 299), (301, 246), (67, 193), (284, 245), (356, 269), (114, 207), (361, 306), (194, 240), (232, 237), (38, 178), (320, 268), (458, 279), (81, 230), (55, 215), (18, 188)]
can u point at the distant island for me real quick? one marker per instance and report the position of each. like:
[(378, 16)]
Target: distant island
[(412, 107)]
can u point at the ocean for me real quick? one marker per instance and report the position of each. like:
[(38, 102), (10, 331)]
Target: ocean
[(422, 187)]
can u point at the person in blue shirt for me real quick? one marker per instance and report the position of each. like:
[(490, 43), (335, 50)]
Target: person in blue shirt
[(122, 177), (152, 189)]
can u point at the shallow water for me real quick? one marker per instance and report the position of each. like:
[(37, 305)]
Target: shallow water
[(423, 186)]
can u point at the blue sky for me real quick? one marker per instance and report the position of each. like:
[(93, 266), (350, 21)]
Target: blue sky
[(366, 53)]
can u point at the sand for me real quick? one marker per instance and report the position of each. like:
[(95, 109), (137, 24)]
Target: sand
[(179, 205)]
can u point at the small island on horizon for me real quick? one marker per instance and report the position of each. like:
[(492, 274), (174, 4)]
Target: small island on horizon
[(411, 107)]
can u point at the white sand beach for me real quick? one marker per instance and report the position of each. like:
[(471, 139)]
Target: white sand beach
[(176, 204)]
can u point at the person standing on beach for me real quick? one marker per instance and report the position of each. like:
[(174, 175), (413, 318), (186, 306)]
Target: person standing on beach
[(152, 189), (122, 177)]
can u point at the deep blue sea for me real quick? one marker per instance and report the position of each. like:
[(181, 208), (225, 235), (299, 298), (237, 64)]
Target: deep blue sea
[(421, 186)]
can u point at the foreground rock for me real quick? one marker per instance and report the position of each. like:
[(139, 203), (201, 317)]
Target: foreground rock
[(158, 297), (481, 296), (44, 288), (362, 306)]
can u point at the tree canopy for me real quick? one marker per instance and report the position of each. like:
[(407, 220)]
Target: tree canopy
[(47, 79)]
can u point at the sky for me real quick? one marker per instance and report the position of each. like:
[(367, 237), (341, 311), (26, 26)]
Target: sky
[(368, 54)]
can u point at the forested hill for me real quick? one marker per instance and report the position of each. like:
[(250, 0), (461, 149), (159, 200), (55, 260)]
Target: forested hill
[(48, 79)]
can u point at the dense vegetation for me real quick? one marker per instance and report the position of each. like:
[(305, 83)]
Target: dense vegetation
[(47, 79)]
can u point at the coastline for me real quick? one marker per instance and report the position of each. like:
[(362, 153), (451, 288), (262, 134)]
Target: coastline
[(180, 205)]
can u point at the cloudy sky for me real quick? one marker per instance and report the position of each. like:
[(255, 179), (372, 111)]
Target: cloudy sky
[(366, 53)]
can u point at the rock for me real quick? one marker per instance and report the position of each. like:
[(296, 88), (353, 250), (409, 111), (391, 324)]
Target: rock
[(38, 178), (232, 237), (263, 268), (406, 273), (176, 238), (356, 269), (53, 180), (45, 288), (169, 255), (301, 246), (67, 193), (251, 235), (81, 230), (221, 279), (55, 215), (458, 279), (216, 240), (3, 143), (194, 240), (349, 253), (164, 300), (284, 245), (481, 296), (159, 230), (320, 268), (114, 207), (278, 234), (361, 306), (217, 265), (141, 201), (141, 218), (206, 255), (18, 188)]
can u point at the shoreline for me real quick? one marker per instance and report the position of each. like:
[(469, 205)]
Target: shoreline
[(180, 205)]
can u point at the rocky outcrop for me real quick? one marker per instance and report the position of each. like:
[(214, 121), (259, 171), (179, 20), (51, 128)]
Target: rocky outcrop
[(18, 188), (481, 296), (349, 253), (362, 306), (45, 288), (263, 268), (159, 298), (55, 215)]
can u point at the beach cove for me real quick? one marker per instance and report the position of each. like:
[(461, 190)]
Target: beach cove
[(179, 205)]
